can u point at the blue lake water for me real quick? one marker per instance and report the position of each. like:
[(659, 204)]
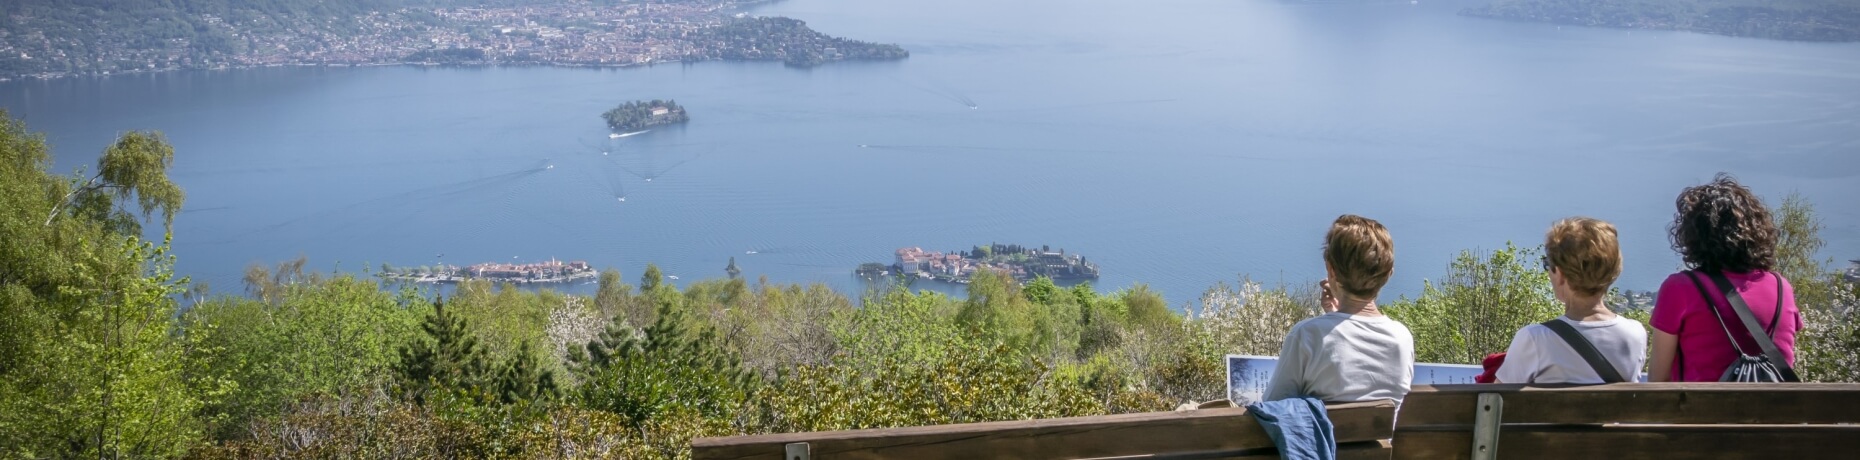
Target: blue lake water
[(1178, 143)]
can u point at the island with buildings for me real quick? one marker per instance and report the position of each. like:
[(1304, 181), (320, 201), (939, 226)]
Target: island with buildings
[(638, 115), (548, 272), (1021, 262)]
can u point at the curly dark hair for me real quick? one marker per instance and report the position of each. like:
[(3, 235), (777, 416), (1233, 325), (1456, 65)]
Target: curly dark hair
[(1723, 226)]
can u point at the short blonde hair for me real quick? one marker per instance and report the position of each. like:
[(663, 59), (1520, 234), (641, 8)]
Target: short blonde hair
[(1360, 250), (1586, 251)]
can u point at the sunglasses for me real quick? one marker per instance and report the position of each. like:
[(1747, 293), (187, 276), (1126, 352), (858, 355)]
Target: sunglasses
[(1546, 261)]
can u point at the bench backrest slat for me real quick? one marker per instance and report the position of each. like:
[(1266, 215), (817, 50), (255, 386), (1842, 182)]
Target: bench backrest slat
[(1664, 420), (1673, 403), (1211, 433)]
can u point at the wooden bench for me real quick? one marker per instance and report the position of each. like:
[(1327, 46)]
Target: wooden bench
[(1229, 433), (1634, 420), (1630, 420)]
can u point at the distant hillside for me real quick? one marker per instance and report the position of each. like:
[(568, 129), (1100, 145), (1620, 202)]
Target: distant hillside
[(1806, 20), (55, 38)]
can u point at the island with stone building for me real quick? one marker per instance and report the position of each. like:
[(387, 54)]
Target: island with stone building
[(1021, 262), (547, 272), (639, 115)]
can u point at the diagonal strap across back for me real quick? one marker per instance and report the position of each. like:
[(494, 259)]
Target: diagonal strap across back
[(1756, 330), (1586, 349)]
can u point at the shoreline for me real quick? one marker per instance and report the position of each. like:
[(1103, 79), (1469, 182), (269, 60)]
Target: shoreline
[(477, 65)]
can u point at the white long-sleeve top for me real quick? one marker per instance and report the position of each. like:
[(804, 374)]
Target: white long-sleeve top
[(1339, 357)]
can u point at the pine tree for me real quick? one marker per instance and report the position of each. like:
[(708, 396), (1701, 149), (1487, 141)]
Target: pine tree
[(451, 360), (664, 366), (523, 379)]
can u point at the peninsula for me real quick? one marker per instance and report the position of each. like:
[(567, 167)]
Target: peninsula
[(639, 115), (550, 272), (1021, 262), (1802, 20), (58, 38)]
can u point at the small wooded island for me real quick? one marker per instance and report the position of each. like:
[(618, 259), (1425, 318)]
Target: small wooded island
[(639, 115)]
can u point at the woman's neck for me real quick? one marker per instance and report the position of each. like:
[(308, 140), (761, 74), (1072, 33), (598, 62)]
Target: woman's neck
[(1351, 305), (1588, 309)]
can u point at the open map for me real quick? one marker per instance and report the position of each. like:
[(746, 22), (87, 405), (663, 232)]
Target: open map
[(1247, 376)]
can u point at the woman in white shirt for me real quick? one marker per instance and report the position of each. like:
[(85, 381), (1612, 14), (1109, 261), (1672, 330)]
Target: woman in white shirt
[(1583, 258), (1352, 352)]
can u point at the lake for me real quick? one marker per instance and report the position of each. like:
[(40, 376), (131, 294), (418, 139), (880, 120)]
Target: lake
[(1178, 143)]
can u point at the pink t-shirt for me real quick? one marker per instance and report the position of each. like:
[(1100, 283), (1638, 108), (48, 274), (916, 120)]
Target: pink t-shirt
[(1704, 351)]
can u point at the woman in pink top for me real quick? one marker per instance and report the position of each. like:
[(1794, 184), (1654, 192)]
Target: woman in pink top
[(1720, 227)]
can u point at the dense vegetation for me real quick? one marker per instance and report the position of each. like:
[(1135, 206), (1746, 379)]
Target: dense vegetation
[(100, 358), (638, 115), (1809, 20), (789, 41)]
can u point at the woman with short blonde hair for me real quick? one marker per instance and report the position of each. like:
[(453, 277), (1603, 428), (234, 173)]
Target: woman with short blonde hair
[(1351, 352), (1589, 343)]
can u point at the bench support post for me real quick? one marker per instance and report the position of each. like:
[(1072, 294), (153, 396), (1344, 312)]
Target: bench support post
[(798, 451), (1486, 420)]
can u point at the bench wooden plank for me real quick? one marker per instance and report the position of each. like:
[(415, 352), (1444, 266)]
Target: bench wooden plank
[(1374, 450), (1528, 442), (1675, 403), (1214, 431)]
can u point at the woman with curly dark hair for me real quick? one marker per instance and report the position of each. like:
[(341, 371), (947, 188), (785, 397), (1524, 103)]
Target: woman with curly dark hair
[(1720, 228)]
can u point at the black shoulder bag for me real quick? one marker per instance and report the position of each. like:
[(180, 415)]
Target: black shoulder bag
[(1586, 349), (1768, 367)]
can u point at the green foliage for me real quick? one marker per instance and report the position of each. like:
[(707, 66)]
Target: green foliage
[(610, 294), (447, 359), (1797, 248), (319, 337), (90, 364), (1478, 307), (969, 382), (504, 317), (897, 325), (1828, 347), (523, 378), (666, 367)]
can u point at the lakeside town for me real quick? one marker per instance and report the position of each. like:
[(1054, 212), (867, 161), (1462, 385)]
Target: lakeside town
[(565, 34), (549, 272), (1022, 263)]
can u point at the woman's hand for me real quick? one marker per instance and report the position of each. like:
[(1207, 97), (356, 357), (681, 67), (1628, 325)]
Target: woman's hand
[(1326, 301)]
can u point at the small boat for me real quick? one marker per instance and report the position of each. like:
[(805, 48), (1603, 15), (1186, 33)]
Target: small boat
[(672, 276), (749, 252)]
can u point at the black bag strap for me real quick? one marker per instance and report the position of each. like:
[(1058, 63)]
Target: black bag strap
[(1586, 349), (1750, 323), (1713, 306)]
